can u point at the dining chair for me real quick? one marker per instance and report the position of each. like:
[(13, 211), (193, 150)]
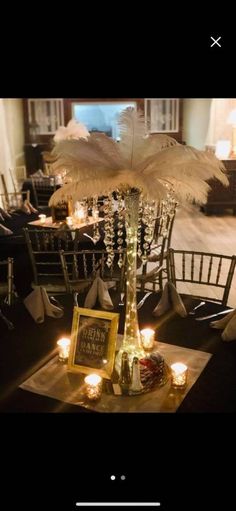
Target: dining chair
[(43, 188), (80, 268), (14, 200), (6, 283), (154, 270), (43, 247), (3, 185), (202, 275)]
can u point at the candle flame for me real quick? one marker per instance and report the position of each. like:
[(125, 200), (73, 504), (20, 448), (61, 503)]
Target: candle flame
[(179, 368), (64, 342), (93, 379)]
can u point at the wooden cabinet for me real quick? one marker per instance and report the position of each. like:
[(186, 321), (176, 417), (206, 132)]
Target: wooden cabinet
[(42, 118), (220, 197)]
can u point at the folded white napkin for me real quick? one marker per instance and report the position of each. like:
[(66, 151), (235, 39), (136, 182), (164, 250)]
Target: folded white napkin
[(4, 214), (27, 208), (4, 231), (99, 289), (228, 325), (170, 299), (35, 306), (38, 305), (38, 173), (49, 308)]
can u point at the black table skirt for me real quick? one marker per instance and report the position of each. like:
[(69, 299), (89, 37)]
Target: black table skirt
[(30, 345)]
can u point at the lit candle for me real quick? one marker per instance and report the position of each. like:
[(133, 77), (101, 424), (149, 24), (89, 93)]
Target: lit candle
[(64, 348), (179, 375), (147, 339), (69, 221), (79, 214), (42, 218), (93, 386)]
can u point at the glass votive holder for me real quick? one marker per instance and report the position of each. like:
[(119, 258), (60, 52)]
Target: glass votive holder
[(95, 214), (69, 221), (42, 218), (93, 387), (147, 339), (64, 349), (79, 215), (179, 373)]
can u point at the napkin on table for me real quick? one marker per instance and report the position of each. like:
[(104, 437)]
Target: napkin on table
[(35, 306), (4, 231), (228, 325), (4, 214), (99, 289), (170, 299), (38, 305)]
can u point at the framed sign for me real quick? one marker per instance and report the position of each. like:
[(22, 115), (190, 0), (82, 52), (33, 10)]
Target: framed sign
[(93, 342)]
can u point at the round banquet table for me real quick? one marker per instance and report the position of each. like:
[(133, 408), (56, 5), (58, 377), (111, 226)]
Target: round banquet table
[(31, 345)]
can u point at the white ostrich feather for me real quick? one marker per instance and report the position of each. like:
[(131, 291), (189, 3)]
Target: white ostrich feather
[(73, 130), (98, 165), (132, 133)]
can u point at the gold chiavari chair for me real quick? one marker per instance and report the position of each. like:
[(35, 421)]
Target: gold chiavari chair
[(155, 269), (14, 200), (43, 188), (6, 286), (44, 246), (202, 272), (80, 268)]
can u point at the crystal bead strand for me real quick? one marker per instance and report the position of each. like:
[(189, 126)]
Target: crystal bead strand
[(109, 230), (139, 233), (120, 231)]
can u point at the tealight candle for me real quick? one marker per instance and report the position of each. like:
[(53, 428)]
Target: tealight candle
[(69, 221), (42, 218), (64, 348), (93, 386), (179, 375), (79, 214), (147, 338)]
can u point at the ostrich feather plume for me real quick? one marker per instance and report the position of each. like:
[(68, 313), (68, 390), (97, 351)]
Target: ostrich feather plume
[(97, 164)]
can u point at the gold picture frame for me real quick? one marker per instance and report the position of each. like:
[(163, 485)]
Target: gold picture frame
[(93, 342)]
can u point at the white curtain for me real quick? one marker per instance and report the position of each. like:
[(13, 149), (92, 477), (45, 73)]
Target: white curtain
[(218, 128), (6, 155)]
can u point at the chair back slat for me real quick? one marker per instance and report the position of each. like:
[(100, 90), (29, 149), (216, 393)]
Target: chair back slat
[(219, 271), (209, 270), (201, 268)]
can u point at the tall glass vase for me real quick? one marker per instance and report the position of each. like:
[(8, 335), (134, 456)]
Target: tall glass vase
[(131, 341)]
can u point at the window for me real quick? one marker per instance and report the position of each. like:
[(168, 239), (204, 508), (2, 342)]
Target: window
[(163, 115), (101, 117)]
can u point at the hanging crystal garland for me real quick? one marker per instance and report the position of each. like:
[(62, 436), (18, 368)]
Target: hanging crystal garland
[(109, 229), (120, 230), (148, 220), (139, 231), (95, 216)]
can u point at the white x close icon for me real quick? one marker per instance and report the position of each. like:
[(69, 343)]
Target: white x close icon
[(215, 41)]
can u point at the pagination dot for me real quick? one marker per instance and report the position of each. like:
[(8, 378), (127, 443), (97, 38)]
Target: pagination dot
[(113, 478), (123, 478)]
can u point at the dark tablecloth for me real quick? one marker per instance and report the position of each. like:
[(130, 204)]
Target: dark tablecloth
[(30, 345)]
